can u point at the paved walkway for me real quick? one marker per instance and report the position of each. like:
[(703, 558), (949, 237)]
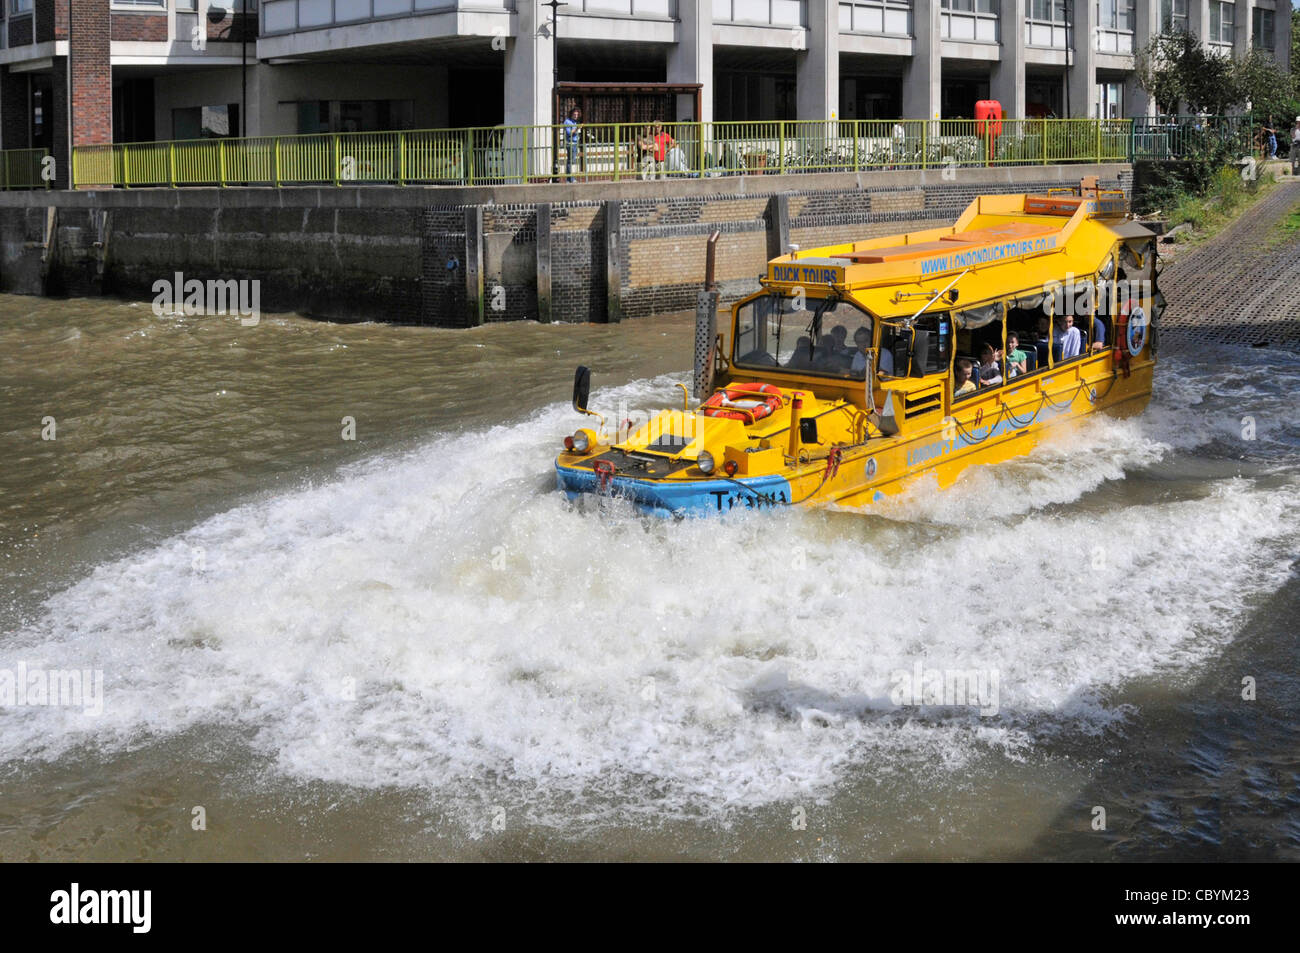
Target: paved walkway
[(1242, 286)]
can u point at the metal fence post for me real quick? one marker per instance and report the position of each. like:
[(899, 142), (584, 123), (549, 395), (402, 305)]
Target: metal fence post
[(275, 158), (401, 158), (126, 168), (780, 147)]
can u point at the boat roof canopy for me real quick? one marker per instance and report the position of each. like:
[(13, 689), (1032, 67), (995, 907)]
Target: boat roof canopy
[(1000, 246)]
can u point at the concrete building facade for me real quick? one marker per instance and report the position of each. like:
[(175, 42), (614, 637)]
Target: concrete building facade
[(95, 71)]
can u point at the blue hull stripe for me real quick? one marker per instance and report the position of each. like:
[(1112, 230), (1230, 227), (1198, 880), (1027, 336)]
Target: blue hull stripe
[(693, 496)]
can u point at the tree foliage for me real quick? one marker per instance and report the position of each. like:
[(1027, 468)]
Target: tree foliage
[(1177, 70)]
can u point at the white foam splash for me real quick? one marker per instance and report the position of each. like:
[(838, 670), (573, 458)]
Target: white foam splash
[(586, 659)]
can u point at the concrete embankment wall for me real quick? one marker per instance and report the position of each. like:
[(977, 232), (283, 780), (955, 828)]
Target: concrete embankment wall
[(460, 256)]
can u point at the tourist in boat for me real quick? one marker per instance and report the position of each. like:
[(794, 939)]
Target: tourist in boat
[(962, 384), (990, 372), (1017, 360), (800, 359), (1065, 338)]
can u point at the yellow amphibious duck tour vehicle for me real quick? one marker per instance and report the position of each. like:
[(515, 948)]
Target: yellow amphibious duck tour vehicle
[(861, 367)]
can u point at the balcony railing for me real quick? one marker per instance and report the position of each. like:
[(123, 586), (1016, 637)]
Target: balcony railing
[(289, 16), (502, 155), (761, 12), (650, 9), (22, 168)]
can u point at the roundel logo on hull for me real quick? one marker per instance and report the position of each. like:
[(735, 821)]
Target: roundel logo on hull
[(1137, 331)]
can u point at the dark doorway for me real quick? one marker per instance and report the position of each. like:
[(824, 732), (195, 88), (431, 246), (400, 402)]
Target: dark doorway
[(871, 97), (961, 95), (133, 110), (475, 97)]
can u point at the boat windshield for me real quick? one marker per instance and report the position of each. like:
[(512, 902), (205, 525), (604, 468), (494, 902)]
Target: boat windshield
[(824, 336)]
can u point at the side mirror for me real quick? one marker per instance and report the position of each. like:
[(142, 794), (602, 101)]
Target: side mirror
[(581, 388)]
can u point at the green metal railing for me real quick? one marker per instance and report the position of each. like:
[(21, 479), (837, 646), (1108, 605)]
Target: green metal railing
[(499, 155), (23, 168), (1170, 138)]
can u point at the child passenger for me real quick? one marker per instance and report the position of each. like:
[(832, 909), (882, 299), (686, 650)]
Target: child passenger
[(990, 373), (962, 384), (1016, 358)]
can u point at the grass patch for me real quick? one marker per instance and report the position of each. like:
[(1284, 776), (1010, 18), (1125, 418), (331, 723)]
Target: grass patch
[(1226, 198)]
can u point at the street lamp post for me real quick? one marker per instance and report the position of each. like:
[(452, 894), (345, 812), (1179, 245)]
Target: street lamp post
[(555, 76)]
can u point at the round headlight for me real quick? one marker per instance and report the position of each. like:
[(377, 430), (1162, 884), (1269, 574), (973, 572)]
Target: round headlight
[(580, 441), (705, 461)]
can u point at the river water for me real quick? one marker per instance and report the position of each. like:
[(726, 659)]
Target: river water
[(408, 645)]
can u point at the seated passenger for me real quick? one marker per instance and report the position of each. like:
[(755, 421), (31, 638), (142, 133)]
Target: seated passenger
[(962, 384), (841, 335), (1098, 334), (799, 360), (861, 341), (1017, 360), (885, 365), (828, 357), (1065, 337), (990, 372)]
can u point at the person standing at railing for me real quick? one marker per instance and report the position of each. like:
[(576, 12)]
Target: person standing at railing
[(572, 139), (646, 147), (1295, 140), (1269, 135), (663, 142)]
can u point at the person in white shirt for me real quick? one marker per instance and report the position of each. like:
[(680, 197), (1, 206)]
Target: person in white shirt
[(862, 341), (990, 372), (1065, 336)]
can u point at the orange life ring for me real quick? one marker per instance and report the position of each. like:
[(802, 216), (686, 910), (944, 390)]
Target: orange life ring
[(760, 400)]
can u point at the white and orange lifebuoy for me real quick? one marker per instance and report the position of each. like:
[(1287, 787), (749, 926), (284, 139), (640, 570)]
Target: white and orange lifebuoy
[(747, 402), (1130, 329)]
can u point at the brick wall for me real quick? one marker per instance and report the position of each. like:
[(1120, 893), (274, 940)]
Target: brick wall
[(20, 31), (92, 79), (140, 26), (321, 254)]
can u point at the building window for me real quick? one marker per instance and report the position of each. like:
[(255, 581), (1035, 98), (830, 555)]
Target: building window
[(1116, 14), (20, 6), (1173, 16), (1262, 29), (1048, 11), (886, 17), (1221, 15), (970, 20), (153, 4), (1110, 100), (1047, 23), (205, 122)]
